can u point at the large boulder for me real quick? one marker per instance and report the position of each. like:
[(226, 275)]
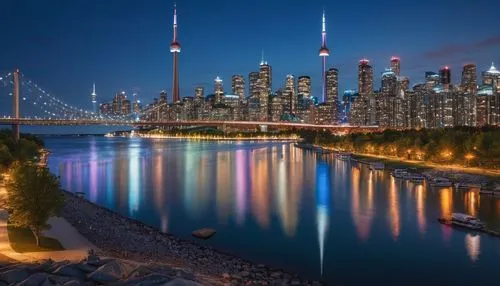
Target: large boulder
[(204, 233), (112, 271), (182, 282), (34, 280), (14, 275), (85, 267), (148, 280), (70, 270)]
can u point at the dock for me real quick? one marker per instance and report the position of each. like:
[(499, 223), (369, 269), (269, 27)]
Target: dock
[(448, 222)]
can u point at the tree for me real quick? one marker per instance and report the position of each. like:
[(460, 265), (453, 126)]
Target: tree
[(33, 196)]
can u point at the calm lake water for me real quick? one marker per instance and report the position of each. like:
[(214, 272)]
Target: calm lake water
[(273, 203)]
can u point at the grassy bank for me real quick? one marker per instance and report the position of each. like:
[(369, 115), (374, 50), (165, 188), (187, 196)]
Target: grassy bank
[(22, 240)]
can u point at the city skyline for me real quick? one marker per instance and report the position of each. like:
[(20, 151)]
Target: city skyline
[(437, 55)]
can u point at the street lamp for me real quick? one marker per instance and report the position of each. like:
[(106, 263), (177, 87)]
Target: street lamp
[(469, 157)]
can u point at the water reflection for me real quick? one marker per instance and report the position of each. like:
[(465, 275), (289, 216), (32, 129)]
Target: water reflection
[(134, 176), (362, 209), (420, 200), (394, 215), (93, 170), (322, 209), (281, 205), (473, 246), (260, 186), (471, 203)]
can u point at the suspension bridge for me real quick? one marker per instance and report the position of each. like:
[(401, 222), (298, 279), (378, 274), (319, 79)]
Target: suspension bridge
[(53, 111)]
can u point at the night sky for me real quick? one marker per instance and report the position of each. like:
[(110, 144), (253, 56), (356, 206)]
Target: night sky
[(66, 45)]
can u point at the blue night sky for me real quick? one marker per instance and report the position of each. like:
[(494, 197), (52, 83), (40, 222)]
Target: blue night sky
[(65, 46)]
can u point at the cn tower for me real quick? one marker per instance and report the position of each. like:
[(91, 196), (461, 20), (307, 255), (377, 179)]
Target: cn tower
[(175, 48), (323, 53)]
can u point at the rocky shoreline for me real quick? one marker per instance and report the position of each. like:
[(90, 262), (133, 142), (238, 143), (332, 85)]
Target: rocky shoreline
[(125, 238)]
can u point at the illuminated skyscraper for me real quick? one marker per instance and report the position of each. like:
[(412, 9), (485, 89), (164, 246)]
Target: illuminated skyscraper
[(365, 78), (93, 97), (323, 53), (469, 79), (492, 77), (396, 65), (304, 86), (290, 94), (218, 89), (264, 86), (332, 83), (445, 76), (253, 80), (238, 86), (175, 48), (431, 79), (199, 92)]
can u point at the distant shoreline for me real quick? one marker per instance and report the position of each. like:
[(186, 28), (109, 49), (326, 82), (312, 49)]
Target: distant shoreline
[(212, 138)]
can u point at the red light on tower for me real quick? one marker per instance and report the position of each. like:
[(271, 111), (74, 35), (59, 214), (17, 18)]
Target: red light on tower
[(395, 58), (364, 61)]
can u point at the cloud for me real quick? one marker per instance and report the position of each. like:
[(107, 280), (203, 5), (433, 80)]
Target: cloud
[(449, 50)]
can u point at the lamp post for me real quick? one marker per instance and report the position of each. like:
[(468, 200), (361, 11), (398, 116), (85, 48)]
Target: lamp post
[(469, 157)]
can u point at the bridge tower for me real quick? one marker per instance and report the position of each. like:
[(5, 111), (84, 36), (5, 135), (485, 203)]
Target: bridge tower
[(15, 106)]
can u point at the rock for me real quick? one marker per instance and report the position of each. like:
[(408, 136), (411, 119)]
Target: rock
[(112, 271), (93, 260), (140, 271), (276, 275), (85, 267), (70, 270), (148, 280), (181, 282), (74, 283), (14, 275), (33, 280), (226, 275), (59, 280), (204, 233), (244, 273), (58, 264), (295, 282), (44, 265)]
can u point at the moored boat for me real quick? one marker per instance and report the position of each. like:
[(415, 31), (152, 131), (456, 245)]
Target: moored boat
[(399, 173), (463, 220), (344, 156), (441, 182), (416, 178), (377, 166)]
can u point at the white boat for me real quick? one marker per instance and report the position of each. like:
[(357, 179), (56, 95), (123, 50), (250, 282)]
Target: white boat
[(416, 178), (441, 182), (377, 166), (109, 135), (465, 220), (399, 173), (344, 156)]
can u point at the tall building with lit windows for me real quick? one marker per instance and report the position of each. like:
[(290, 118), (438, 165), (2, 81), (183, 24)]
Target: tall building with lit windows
[(289, 95), (199, 92), (238, 86), (218, 89), (304, 86), (253, 84), (469, 78), (445, 76), (264, 86), (396, 65), (492, 77), (365, 78)]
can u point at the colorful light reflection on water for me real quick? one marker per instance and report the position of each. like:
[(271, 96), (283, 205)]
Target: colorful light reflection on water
[(276, 204)]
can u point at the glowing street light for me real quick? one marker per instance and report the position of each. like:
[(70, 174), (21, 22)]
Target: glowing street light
[(469, 157)]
